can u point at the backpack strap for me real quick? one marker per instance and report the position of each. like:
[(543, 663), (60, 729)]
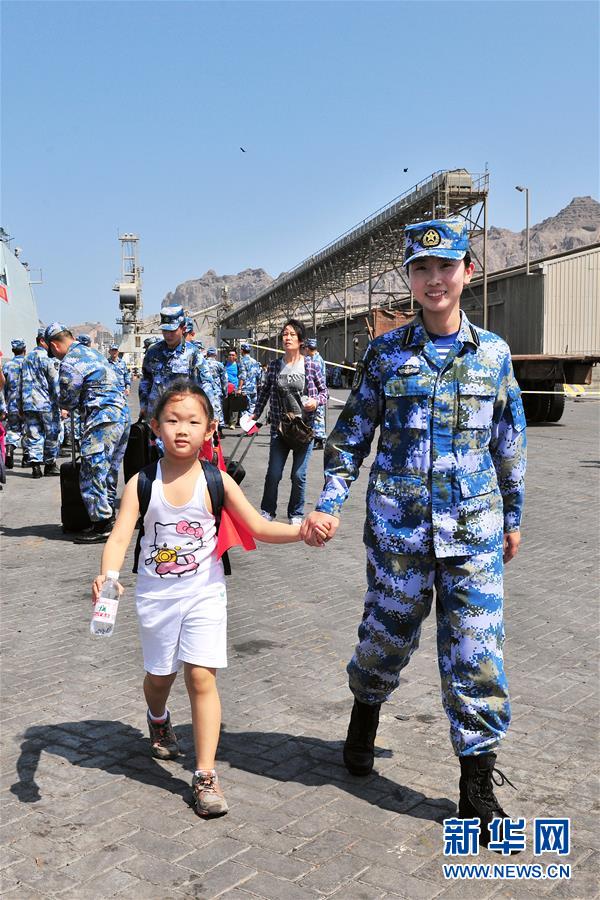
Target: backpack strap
[(216, 492), (146, 476)]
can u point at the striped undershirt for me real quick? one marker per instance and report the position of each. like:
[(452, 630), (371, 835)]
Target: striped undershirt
[(443, 343)]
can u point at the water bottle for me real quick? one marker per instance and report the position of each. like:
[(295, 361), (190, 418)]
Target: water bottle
[(106, 606)]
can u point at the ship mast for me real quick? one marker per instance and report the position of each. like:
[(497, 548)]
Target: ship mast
[(130, 301)]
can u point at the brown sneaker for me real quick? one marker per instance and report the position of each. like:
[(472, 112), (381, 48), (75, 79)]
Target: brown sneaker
[(163, 740), (208, 796)]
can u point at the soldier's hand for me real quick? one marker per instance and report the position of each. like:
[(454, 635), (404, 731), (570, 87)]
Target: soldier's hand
[(318, 528), (510, 545)]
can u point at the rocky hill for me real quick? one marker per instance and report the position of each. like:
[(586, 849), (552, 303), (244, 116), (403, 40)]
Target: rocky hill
[(577, 225)]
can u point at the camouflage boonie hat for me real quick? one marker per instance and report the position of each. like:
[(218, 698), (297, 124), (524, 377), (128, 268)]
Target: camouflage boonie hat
[(439, 237), (84, 339), (171, 317)]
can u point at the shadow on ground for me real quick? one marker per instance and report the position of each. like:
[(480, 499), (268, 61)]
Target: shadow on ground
[(120, 749)]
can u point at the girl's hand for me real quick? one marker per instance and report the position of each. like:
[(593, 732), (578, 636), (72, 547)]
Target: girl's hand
[(97, 587)]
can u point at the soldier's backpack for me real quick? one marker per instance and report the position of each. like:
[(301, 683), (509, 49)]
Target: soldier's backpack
[(216, 492), (140, 451), (73, 512)]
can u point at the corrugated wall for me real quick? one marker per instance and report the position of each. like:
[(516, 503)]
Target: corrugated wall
[(572, 304)]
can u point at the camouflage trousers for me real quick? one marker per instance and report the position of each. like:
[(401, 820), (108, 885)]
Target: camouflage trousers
[(318, 425), (470, 635), (101, 457), (217, 405), (41, 435), (251, 396), (14, 429)]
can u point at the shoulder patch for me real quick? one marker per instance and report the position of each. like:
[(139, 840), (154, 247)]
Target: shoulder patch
[(358, 376)]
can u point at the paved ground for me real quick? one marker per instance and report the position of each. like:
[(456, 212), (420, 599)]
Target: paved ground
[(87, 814)]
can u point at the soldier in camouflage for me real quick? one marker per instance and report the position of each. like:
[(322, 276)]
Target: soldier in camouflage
[(89, 384), (444, 505), (220, 381), (319, 422), (169, 359), (40, 401), (250, 376), (12, 396), (120, 367)]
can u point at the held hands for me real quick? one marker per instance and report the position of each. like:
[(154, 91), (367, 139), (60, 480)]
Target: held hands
[(510, 545), (318, 528), (97, 587)]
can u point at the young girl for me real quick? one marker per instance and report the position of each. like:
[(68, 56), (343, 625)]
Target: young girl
[(180, 593)]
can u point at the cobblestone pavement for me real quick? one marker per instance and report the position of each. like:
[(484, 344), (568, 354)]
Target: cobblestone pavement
[(86, 813)]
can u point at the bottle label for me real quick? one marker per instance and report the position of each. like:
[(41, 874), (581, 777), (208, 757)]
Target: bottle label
[(105, 610)]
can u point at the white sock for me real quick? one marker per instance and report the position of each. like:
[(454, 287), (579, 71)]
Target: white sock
[(159, 720), (199, 772)]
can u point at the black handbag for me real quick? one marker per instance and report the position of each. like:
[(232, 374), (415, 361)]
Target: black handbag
[(293, 430)]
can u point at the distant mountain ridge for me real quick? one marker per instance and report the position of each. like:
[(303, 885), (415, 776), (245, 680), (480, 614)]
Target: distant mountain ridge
[(577, 225)]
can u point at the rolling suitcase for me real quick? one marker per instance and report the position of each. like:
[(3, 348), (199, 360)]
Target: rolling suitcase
[(73, 512), (234, 466), (140, 452)]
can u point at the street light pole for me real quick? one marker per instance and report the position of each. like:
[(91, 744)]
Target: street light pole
[(522, 189)]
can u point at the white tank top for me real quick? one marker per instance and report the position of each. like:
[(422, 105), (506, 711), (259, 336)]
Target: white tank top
[(177, 556)]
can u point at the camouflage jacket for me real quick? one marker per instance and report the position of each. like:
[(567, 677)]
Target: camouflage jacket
[(122, 371), (219, 374), (449, 469), (13, 370), (40, 389), (161, 366), (250, 373), (88, 384)]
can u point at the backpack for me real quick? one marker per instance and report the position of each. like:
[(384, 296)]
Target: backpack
[(216, 492)]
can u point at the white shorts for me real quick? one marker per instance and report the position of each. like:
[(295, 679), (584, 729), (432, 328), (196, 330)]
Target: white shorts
[(192, 630)]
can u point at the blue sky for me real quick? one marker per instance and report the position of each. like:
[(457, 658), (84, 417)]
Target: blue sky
[(129, 116)]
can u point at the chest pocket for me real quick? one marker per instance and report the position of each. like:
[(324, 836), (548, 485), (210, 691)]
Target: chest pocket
[(476, 405), (407, 402), (180, 365)]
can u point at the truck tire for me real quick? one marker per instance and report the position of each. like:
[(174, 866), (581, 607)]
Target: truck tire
[(557, 406), (537, 407)]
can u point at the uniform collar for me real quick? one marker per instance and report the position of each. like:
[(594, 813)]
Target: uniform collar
[(416, 334)]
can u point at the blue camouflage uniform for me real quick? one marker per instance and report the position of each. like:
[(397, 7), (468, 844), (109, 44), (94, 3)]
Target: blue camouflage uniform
[(447, 481), (250, 373), (40, 397), (220, 382), (319, 421), (122, 372), (88, 384), (12, 394), (161, 366)]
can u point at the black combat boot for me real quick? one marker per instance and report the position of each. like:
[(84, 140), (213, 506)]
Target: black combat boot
[(477, 798), (359, 749), (10, 456), (51, 469), (36, 470)]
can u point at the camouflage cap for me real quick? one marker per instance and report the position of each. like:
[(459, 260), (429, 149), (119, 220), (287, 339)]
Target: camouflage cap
[(114, 347), (54, 329), (41, 333), (439, 237), (244, 345), (212, 351), (189, 325), (171, 317), (151, 340), (312, 343), (84, 339), (17, 345)]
